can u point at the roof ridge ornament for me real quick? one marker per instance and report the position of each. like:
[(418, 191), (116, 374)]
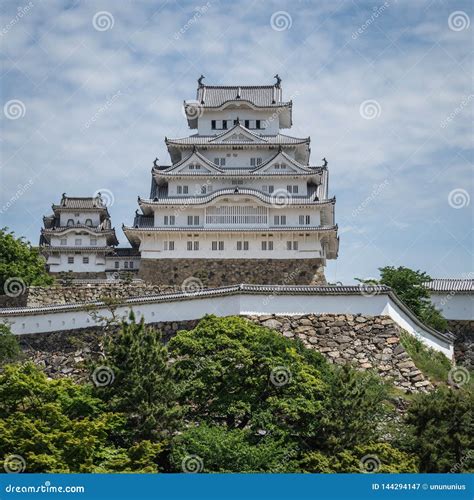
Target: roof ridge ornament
[(200, 79), (325, 162), (278, 81), (155, 161)]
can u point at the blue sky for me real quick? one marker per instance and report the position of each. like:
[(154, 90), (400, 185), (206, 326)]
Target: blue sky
[(383, 88)]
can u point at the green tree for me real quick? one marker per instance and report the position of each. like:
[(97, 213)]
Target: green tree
[(59, 426), (439, 429), (143, 387), (408, 285), (245, 376), (355, 410), (217, 449), (19, 260), (9, 346)]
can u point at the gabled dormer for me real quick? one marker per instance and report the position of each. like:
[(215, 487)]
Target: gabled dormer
[(281, 163)]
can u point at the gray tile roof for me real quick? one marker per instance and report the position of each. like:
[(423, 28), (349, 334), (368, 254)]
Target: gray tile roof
[(451, 285), (81, 203), (211, 96), (277, 198), (210, 140)]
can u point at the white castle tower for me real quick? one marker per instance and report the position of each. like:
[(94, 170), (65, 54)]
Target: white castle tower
[(240, 201), (78, 236)]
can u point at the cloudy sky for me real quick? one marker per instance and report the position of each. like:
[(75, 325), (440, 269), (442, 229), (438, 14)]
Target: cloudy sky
[(89, 90)]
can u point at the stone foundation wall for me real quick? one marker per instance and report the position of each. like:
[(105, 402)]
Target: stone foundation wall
[(367, 342), (220, 272), (463, 342), (42, 296)]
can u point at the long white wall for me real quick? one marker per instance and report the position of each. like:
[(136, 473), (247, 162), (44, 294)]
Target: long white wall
[(156, 309), (454, 306)]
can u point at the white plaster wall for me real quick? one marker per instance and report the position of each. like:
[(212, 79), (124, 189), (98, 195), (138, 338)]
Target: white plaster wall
[(204, 122), (454, 306), (84, 236), (60, 263), (79, 217), (380, 304), (133, 263), (309, 245)]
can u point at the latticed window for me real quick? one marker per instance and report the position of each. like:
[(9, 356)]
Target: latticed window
[(236, 214)]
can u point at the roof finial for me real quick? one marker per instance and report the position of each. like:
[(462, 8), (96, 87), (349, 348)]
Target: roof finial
[(237, 121), (194, 148), (200, 79), (155, 162), (278, 80), (325, 162)]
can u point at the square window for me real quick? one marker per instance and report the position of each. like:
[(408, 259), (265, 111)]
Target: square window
[(131, 265), (63, 241), (189, 245), (117, 264), (246, 245), (196, 245), (264, 245), (70, 260), (85, 260), (185, 190), (125, 264), (239, 245), (221, 245), (214, 245)]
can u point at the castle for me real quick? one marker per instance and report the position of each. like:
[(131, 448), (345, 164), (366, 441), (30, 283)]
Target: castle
[(239, 202)]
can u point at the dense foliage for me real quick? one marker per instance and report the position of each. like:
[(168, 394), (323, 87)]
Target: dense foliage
[(21, 262), (227, 396), (408, 285)]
